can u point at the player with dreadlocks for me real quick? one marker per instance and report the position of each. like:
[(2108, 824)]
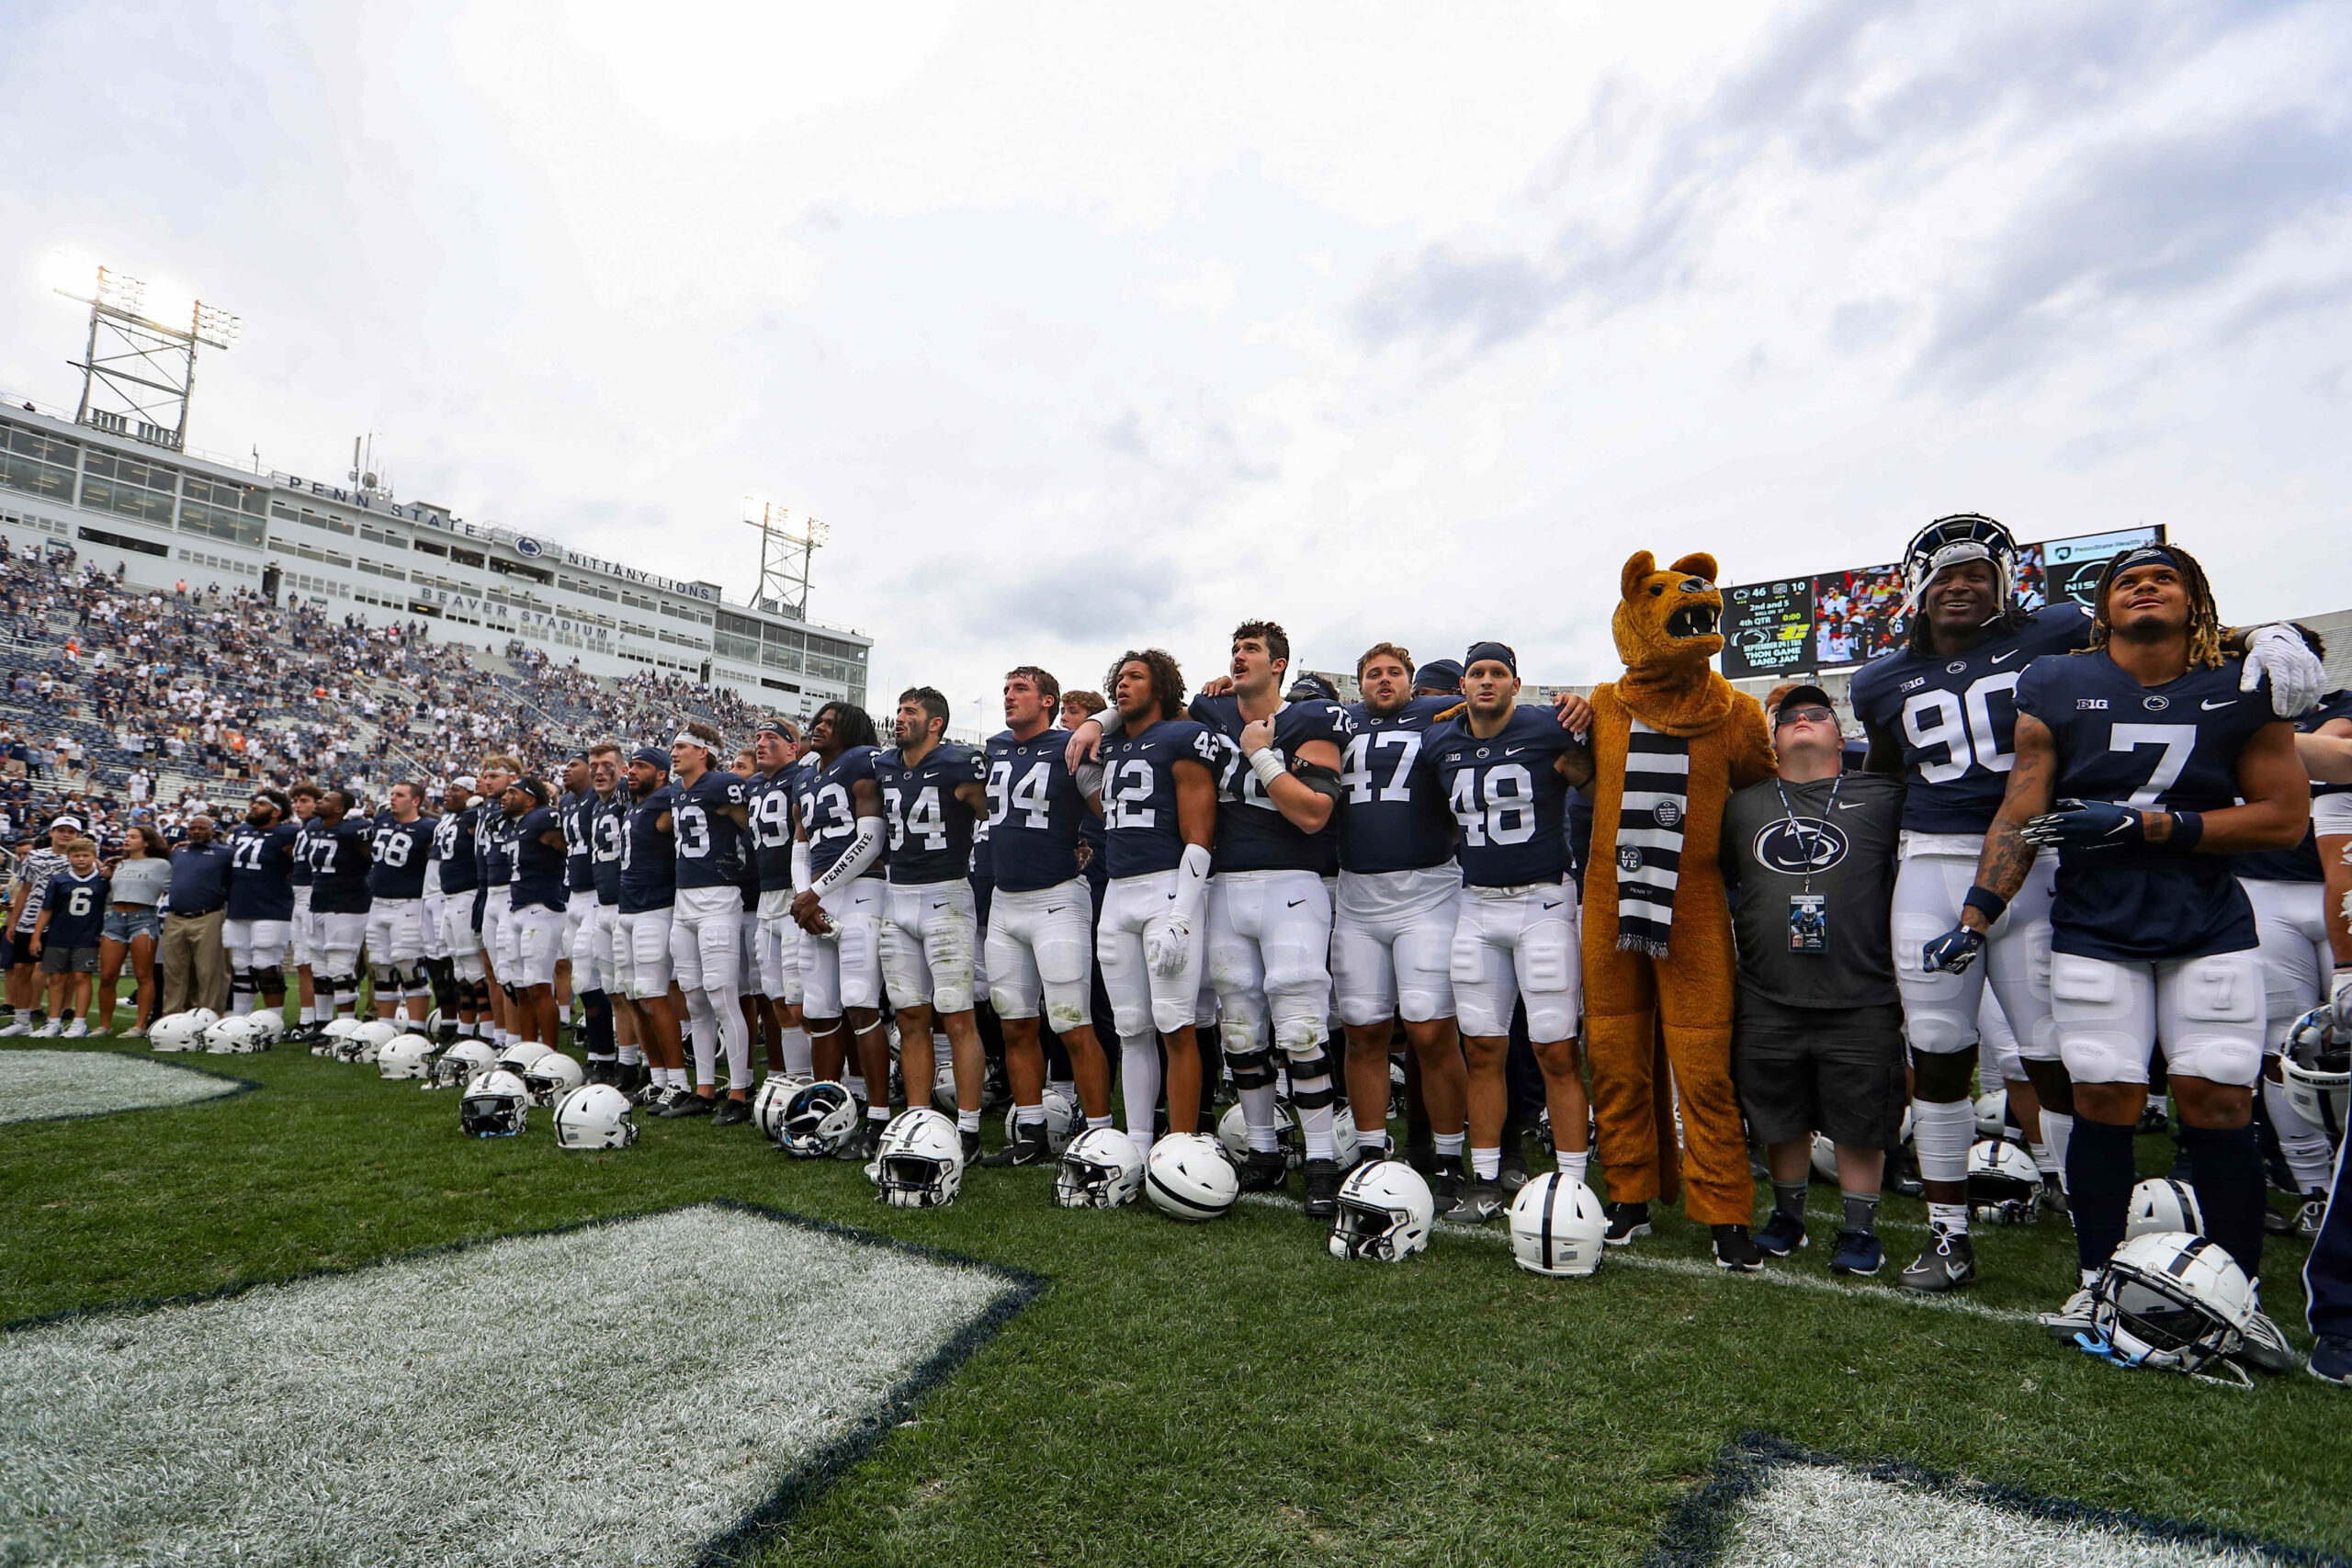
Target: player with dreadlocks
[(2146, 764), (1940, 715)]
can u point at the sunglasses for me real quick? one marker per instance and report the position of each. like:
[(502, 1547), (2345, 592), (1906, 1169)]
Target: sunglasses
[(1812, 715)]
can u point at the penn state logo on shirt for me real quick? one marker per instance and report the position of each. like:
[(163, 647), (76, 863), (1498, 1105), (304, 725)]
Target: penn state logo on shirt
[(1667, 813), (2155, 703), (1804, 847), (1957, 666)]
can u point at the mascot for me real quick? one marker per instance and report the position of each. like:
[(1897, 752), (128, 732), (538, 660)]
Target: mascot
[(1670, 741)]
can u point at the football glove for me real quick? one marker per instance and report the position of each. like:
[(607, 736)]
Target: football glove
[(1168, 943), (1953, 953), (2085, 827), (2297, 677), (2314, 1032)]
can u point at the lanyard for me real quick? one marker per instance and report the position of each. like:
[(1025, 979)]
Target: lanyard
[(1798, 827)]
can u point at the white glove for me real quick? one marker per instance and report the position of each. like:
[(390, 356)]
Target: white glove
[(2297, 677), (2326, 1025), (1168, 943)]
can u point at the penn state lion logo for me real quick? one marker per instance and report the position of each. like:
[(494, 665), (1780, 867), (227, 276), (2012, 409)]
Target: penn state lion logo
[(1804, 847)]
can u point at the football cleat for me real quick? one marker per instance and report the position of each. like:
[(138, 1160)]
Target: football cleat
[(2307, 1217), (1626, 1220), (1029, 1146), (1513, 1174), (1445, 1183), (2332, 1361), (1482, 1198), (1949, 1263), (1321, 1179), (2265, 1349), (1383, 1212), (1263, 1171), (1736, 1250), (1061, 1121), (732, 1112), (859, 1147), (2071, 1319), (685, 1103), (1782, 1234), (1859, 1252)]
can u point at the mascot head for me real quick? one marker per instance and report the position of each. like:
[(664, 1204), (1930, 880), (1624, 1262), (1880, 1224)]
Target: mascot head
[(1670, 616)]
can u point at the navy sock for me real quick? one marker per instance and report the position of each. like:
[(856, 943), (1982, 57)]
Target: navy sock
[(2099, 1176), (599, 1008), (2227, 1170)]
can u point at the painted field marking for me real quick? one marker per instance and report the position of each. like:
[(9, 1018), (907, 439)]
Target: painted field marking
[(40, 1086)]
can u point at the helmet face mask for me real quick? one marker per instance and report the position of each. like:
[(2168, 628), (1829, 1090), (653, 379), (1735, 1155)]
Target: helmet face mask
[(2172, 1301), (552, 1076), (459, 1063), (2004, 1184), (817, 1119), (1949, 541), (1101, 1169), (920, 1164), (1385, 1212), (496, 1105)]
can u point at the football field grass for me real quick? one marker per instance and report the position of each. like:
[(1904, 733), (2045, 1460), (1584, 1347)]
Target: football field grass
[(1225, 1393)]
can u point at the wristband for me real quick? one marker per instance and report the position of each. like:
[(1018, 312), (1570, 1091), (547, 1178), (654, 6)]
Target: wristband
[(1267, 764), (1985, 901), (2188, 827)]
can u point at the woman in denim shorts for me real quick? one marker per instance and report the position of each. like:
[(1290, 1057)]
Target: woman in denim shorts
[(134, 925)]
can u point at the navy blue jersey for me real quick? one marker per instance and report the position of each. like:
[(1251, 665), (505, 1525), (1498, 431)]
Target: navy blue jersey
[(494, 844), (2173, 747), (2301, 862), (711, 851), (401, 851), (769, 798), (305, 830), (578, 856), (340, 860), (1507, 796), (1957, 716), (983, 860), (1034, 807), (261, 861), (931, 830), (453, 846), (607, 821), (76, 907), (539, 865), (1094, 833), (1251, 832), (1392, 815), (649, 864), (1140, 792), (828, 807)]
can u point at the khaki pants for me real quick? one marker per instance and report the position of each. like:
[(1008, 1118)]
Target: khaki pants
[(195, 970)]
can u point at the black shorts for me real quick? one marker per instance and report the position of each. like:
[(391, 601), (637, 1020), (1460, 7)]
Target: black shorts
[(56, 960), (1805, 1070)]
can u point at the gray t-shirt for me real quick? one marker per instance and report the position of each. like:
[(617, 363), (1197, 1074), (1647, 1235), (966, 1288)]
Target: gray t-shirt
[(142, 881), (1840, 849)]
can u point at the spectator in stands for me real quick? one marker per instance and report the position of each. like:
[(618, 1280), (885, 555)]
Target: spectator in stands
[(196, 973), (134, 926)]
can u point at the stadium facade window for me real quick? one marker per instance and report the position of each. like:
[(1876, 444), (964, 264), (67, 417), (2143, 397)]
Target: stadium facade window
[(466, 557), (735, 646), (128, 487), (38, 464), (430, 548), (114, 541), (777, 658)]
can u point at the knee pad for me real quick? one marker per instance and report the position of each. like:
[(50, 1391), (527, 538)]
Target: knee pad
[(1251, 1068), (1549, 1019), (389, 977), (1939, 1031), (1301, 1038)]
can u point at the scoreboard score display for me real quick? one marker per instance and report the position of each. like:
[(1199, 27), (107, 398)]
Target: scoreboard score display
[(1840, 619)]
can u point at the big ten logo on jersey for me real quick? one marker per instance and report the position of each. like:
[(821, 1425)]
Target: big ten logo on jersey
[(1963, 726), (922, 818), (1495, 803), (1031, 794), (1380, 766)]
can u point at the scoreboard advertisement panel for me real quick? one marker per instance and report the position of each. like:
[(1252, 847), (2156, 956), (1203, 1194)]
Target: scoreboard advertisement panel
[(1839, 619)]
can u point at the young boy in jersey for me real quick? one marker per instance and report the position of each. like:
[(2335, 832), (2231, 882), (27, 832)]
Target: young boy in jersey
[(2131, 759), (65, 939)]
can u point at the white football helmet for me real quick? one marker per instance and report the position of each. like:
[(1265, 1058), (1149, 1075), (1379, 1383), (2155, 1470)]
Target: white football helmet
[(920, 1162), (594, 1116), (775, 1092), (1947, 541), (1061, 1120), (1386, 1211), (2160, 1204), (1101, 1169), (1556, 1227), (1187, 1177), (943, 1086), (372, 1035), (551, 1076), (517, 1058), (457, 1065), (408, 1056), (1992, 1113), (176, 1032), (228, 1037), (2171, 1300), (817, 1119), (334, 1039), (1233, 1135), (269, 1024), (431, 1024), (2317, 1067), (2004, 1184), (495, 1105), (205, 1016)]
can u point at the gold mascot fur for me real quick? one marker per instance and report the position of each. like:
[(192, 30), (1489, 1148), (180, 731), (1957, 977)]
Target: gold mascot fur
[(1644, 1008)]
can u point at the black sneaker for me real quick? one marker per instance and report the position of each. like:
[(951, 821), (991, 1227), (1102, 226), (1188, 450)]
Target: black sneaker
[(1949, 1263), (730, 1113), (2154, 1118), (688, 1104), (1480, 1202), (1028, 1147), (1445, 1187), (1265, 1170), (1514, 1172), (971, 1148), (1626, 1220), (1421, 1155), (1736, 1250), (858, 1147), (648, 1093), (1321, 1179)]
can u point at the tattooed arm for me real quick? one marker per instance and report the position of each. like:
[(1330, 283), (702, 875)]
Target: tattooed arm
[(2007, 858)]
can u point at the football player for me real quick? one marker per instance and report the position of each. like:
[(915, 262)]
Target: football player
[(2129, 759), (579, 874), (592, 949), (257, 931), (1040, 917), (465, 994), (933, 791), (709, 819), (758, 1016), (341, 844), (837, 875), (775, 752), (494, 862), (649, 887), (1158, 796), (395, 941), (1399, 902), (1940, 713), (535, 907), (302, 931), (1506, 772)]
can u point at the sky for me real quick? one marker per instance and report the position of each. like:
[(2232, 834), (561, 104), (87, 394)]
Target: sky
[(1089, 327)]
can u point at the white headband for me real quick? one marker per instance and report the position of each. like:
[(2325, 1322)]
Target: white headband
[(686, 738)]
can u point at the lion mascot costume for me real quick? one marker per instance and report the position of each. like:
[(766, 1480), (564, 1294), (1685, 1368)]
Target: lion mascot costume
[(1671, 740)]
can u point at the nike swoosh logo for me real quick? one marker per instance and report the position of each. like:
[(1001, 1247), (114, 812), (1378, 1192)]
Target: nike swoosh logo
[(2123, 827), (1056, 908), (1514, 750), (1297, 902), (1998, 657), (1553, 905), (1852, 804), (2210, 706)]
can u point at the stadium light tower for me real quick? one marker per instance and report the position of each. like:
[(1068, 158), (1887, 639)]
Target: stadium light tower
[(140, 384), (788, 540)]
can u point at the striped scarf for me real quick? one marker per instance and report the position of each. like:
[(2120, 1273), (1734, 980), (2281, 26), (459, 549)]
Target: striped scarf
[(1649, 837)]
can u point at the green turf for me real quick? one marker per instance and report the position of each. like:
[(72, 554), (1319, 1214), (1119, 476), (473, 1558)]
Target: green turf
[(1224, 1394)]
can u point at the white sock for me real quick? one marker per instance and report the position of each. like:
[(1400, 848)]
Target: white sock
[(1139, 1085), (967, 1120), (631, 1055), (1487, 1165), (1377, 1142), (1949, 1217), (799, 1059), (1094, 1122), (1941, 1131), (2056, 1130), (2304, 1145), (1029, 1115), (2044, 1160), (1258, 1114), (1449, 1145), (1574, 1162)]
